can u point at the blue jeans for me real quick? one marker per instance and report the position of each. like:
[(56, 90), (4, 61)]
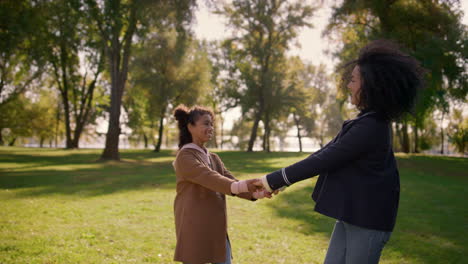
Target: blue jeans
[(350, 244), (228, 253)]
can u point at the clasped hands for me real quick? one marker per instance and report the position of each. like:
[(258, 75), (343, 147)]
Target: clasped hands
[(253, 186)]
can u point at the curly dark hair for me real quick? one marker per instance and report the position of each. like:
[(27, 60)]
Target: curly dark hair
[(390, 79), (185, 116)]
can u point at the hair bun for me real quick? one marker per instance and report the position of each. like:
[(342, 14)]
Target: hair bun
[(181, 114)]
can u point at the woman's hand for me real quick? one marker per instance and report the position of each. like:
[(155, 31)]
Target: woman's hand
[(261, 194), (244, 186)]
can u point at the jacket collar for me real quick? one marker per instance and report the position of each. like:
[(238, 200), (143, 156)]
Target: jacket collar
[(205, 154)]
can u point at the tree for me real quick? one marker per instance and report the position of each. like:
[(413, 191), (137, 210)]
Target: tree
[(311, 86), (431, 31), (168, 69), (76, 62), (14, 119), (119, 22), (263, 31), (43, 111), (458, 134), (20, 63), (224, 95)]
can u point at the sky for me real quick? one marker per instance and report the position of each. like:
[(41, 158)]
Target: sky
[(311, 48), (212, 27)]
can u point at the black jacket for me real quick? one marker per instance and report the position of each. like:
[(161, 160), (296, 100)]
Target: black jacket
[(359, 181)]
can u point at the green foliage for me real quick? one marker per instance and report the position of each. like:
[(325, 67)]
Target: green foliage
[(458, 132), (431, 31), (44, 121), (263, 31), (15, 117), (20, 59), (428, 136), (165, 73)]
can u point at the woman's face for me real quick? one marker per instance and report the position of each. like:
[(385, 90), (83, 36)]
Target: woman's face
[(355, 85), (202, 131)]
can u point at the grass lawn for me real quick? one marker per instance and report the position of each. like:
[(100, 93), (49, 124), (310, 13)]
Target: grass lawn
[(61, 206)]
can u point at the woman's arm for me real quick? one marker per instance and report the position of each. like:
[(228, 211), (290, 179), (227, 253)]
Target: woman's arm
[(359, 140)]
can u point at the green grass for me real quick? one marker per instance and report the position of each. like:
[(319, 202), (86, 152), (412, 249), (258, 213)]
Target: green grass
[(61, 206)]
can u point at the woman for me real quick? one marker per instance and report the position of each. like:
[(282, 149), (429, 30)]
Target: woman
[(202, 183), (359, 182)]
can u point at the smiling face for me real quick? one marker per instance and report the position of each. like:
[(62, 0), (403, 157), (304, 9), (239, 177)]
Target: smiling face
[(202, 131), (354, 85)]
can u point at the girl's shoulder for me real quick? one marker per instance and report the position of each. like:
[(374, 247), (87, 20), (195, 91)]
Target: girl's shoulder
[(215, 156), (186, 154)]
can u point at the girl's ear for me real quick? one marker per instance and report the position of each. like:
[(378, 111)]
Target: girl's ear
[(190, 127)]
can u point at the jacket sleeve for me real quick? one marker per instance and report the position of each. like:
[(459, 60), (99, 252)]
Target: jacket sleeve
[(358, 140), (192, 170), (227, 173)]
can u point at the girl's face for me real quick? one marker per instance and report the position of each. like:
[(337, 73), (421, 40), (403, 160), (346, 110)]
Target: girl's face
[(355, 85), (202, 131)]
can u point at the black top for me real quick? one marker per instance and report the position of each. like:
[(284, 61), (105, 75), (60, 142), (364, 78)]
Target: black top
[(359, 181)]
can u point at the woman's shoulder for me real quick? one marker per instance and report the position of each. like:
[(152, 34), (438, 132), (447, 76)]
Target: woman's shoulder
[(372, 119)]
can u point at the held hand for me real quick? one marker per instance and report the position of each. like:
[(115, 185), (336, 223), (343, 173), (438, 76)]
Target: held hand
[(246, 186), (254, 185), (261, 194)]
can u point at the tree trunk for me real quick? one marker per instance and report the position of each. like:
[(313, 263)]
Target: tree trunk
[(222, 131), (160, 133), (442, 134), (76, 135), (253, 134), (266, 135), (264, 138), (416, 139), (299, 137), (57, 123), (405, 144), (441, 140), (84, 108), (118, 54), (66, 109), (64, 91), (1, 137), (111, 150), (145, 139), (12, 142), (41, 142)]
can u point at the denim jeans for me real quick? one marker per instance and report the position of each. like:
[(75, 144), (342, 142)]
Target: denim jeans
[(228, 253), (350, 244)]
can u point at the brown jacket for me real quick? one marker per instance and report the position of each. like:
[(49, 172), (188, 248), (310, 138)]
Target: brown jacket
[(200, 207)]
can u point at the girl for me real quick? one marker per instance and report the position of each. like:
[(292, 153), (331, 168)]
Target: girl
[(202, 183)]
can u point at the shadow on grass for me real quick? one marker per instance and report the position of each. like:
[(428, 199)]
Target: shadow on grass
[(298, 204), (79, 172), (432, 219), (39, 172)]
